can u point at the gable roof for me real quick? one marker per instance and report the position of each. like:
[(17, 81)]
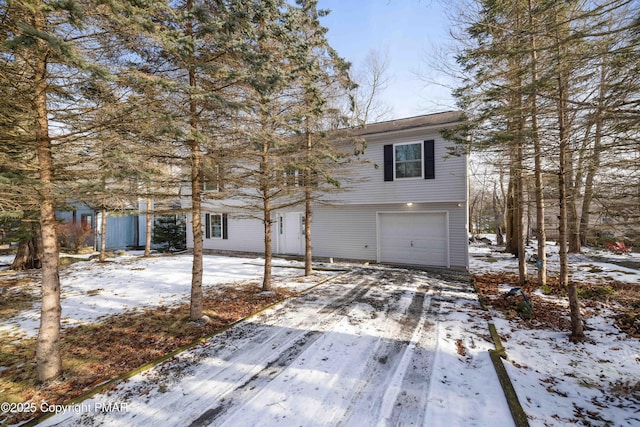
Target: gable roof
[(428, 120)]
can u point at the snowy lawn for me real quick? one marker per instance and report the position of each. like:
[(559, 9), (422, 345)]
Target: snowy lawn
[(91, 291), (592, 383)]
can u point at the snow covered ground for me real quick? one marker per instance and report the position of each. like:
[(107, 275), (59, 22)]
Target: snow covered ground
[(377, 346), (593, 383), (91, 290)]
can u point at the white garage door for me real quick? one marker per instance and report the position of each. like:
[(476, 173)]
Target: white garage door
[(414, 238)]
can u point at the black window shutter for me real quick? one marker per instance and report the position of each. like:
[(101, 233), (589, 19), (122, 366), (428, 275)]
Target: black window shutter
[(429, 160), (207, 226), (224, 226), (388, 162)]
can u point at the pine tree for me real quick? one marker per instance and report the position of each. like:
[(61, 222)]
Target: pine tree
[(43, 58), (321, 75), (289, 71), (556, 62), (181, 61), (170, 232)]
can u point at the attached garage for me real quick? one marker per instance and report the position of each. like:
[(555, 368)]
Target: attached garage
[(417, 238)]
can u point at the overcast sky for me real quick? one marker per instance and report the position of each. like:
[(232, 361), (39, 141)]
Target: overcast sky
[(410, 31)]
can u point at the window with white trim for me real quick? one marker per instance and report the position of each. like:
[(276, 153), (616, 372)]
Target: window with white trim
[(292, 176), (212, 178), (215, 226), (408, 160)]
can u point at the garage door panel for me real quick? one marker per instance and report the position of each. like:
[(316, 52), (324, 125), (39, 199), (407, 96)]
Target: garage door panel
[(414, 238)]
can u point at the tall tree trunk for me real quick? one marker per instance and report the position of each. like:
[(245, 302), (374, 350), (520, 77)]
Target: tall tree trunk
[(577, 331), (265, 170), (268, 248), (522, 255), (196, 307), (572, 211), (541, 234), (498, 217), (308, 255), (148, 230), (593, 165), (103, 235), (512, 215), (48, 355), (519, 119)]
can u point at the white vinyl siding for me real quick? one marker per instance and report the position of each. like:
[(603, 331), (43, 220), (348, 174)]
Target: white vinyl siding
[(347, 231), (449, 185), (244, 235), (349, 228), (350, 232)]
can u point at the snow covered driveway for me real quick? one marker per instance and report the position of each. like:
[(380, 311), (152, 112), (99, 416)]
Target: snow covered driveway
[(375, 346)]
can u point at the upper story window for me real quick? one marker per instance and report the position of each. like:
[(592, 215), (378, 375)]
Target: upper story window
[(408, 160), (212, 177), (292, 176)]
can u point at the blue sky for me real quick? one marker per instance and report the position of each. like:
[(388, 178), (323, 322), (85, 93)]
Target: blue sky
[(408, 30)]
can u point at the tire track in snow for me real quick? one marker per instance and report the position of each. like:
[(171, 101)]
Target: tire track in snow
[(398, 370), (286, 354), (405, 400), (234, 357), (395, 368), (357, 350)]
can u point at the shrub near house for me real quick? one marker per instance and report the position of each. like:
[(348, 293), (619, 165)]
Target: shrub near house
[(170, 233)]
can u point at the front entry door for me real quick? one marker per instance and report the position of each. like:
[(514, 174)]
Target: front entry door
[(290, 233)]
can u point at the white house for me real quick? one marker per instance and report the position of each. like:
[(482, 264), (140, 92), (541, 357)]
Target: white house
[(411, 209)]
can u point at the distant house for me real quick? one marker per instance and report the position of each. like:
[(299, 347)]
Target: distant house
[(412, 209), (125, 229)]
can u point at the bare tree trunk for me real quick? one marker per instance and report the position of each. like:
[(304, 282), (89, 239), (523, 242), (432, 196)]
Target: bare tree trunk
[(541, 262), (577, 331), (572, 211), (512, 216), (541, 225), (471, 211), (48, 355), (519, 119), (308, 254), (196, 305), (148, 230), (529, 216), (520, 206), (268, 251), (594, 162), (103, 235), (498, 218)]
